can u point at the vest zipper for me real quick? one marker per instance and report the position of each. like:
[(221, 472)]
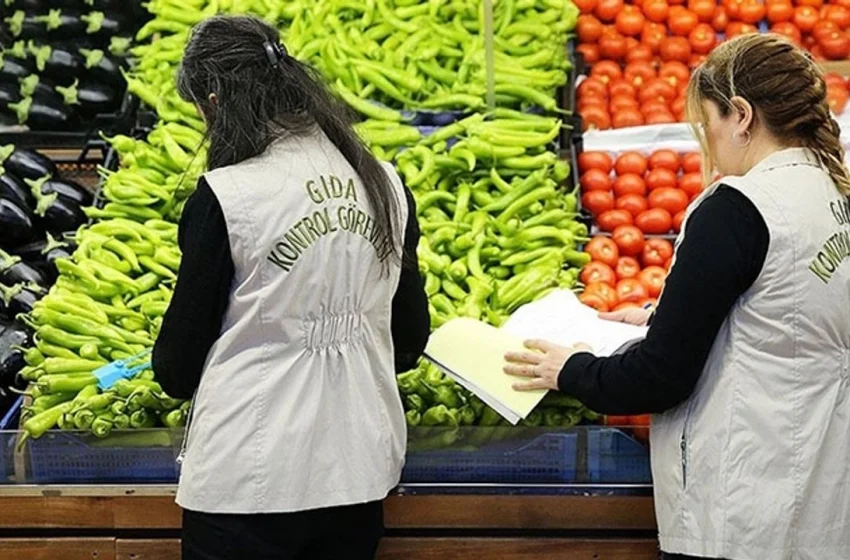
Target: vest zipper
[(185, 443), (684, 447)]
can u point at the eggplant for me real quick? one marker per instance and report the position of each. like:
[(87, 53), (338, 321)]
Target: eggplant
[(14, 271), (25, 25), (39, 89), (103, 26), (12, 361), (14, 189), (17, 299), (69, 190), (101, 68), (90, 99), (16, 224), (12, 69), (44, 114), (57, 214), (25, 164), (9, 94), (43, 254), (63, 25), (120, 47), (57, 64)]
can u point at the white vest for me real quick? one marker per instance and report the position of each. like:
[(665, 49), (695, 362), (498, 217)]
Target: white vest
[(298, 406), (756, 464)]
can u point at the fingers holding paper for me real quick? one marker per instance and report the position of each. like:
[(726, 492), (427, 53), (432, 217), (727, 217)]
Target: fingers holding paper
[(542, 365)]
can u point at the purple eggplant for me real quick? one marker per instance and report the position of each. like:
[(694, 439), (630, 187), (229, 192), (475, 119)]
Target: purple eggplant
[(102, 68), (68, 190), (12, 69), (25, 164), (12, 337), (17, 299), (90, 99), (103, 26), (44, 114), (9, 94), (43, 254), (14, 189), (57, 214), (39, 89), (63, 25), (59, 65), (14, 271), (16, 224)]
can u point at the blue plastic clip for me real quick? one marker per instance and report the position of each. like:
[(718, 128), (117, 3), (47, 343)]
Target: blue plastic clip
[(111, 373)]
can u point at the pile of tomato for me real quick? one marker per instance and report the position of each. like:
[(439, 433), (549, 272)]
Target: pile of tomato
[(837, 92), (641, 53), (650, 193), (626, 270)]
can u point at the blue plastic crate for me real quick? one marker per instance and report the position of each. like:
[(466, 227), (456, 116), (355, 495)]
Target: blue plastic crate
[(7, 439), (59, 457), (614, 457), (11, 417), (548, 458)]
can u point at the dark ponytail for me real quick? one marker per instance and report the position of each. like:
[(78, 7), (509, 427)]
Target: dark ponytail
[(262, 94)]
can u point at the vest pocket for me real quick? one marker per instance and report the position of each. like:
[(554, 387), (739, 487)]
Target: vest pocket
[(684, 446)]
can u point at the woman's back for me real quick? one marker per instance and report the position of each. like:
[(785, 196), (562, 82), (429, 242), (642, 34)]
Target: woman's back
[(312, 293)]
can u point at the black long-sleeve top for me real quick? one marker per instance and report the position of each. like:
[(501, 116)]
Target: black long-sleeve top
[(722, 254), (193, 321)]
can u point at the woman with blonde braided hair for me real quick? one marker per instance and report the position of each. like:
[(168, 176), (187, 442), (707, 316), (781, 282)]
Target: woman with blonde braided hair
[(746, 363)]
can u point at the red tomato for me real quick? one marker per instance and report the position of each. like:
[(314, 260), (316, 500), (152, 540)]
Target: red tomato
[(586, 102), (678, 219), (652, 278), (789, 30), (640, 53), (675, 48), (812, 3), (656, 252), (588, 29), (704, 9), (834, 80), (823, 29), (682, 22), (598, 202), (630, 162), (595, 160), (626, 305), (737, 28), (703, 38), (668, 264), (606, 292), (627, 117), (585, 6), (590, 53), (612, 46), (676, 73), (630, 21), (654, 221), (835, 46), (641, 433), (640, 73), (606, 71), (653, 106), (805, 18), (660, 178), (657, 89), (621, 102), (592, 86), (595, 180), (631, 290), (623, 86), (618, 421), (629, 183), (595, 301), (595, 117), (837, 98), (665, 159), (627, 267), (671, 199), (612, 219), (839, 15), (777, 12), (720, 19), (603, 249), (691, 184), (635, 204), (751, 12), (607, 10), (653, 35), (660, 117), (691, 162), (629, 239), (598, 272), (656, 10)]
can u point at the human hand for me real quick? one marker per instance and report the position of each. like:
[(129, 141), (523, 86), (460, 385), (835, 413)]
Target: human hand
[(541, 365), (633, 316)]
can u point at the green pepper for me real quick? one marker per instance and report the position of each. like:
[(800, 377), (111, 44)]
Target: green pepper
[(413, 418), (445, 395), (40, 423), (552, 417), (534, 419), (410, 382), (65, 383), (439, 415), (65, 365), (414, 402), (102, 425)]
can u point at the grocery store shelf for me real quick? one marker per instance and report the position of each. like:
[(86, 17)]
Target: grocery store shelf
[(838, 66)]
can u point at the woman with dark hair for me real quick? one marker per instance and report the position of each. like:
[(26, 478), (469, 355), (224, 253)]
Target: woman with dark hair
[(298, 300)]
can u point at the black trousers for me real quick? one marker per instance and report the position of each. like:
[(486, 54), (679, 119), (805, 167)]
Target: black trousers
[(350, 532)]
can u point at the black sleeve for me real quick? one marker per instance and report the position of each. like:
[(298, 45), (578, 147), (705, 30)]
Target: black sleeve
[(193, 320), (411, 323), (722, 254)]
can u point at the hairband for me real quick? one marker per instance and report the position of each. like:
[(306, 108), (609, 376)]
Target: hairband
[(275, 52)]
